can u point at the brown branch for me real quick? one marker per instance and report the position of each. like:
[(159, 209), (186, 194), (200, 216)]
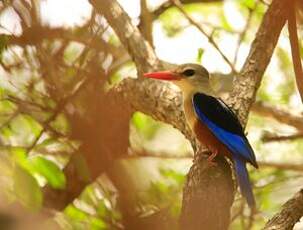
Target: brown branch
[(289, 215), (146, 22), (294, 43), (270, 137), (262, 164), (282, 166), (129, 35), (36, 34), (281, 115)]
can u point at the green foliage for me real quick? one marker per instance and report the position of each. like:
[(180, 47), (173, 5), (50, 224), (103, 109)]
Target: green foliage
[(82, 220), (49, 170), (200, 55), (145, 125), (61, 124), (26, 188), (166, 194), (124, 71), (248, 3), (94, 210)]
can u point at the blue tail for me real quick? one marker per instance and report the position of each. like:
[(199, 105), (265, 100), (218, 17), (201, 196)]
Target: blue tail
[(244, 183)]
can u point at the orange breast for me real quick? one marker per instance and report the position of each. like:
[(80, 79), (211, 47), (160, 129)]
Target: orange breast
[(208, 139)]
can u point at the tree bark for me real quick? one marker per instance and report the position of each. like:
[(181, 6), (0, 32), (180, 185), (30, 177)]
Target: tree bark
[(129, 35), (289, 215), (207, 195)]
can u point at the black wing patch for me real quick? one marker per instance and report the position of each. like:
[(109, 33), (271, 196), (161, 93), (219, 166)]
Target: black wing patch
[(219, 113)]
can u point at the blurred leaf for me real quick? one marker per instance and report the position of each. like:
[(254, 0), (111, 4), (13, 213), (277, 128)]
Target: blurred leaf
[(75, 213), (7, 132), (6, 106), (27, 189), (61, 124), (91, 222), (49, 170), (224, 23), (19, 155), (200, 55), (145, 124), (173, 174), (102, 210), (248, 3), (72, 52)]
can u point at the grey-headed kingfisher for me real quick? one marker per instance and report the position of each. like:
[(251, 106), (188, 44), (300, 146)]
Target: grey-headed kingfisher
[(212, 121)]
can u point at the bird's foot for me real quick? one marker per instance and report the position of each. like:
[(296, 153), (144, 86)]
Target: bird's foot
[(211, 163), (210, 159)]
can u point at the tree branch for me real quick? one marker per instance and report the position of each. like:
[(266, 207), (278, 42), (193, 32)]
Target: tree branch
[(36, 34), (129, 35), (289, 215), (295, 49), (281, 115), (271, 137)]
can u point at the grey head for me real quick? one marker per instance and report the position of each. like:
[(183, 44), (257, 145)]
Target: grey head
[(193, 78)]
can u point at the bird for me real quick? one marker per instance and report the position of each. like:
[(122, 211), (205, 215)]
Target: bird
[(212, 121)]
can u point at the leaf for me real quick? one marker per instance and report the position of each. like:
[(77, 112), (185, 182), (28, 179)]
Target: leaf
[(33, 125), (145, 124), (225, 24), (19, 155), (49, 170), (61, 124), (248, 3), (76, 215), (200, 55), (27, 189)]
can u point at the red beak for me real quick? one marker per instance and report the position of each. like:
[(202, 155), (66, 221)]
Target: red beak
[(164, 75)]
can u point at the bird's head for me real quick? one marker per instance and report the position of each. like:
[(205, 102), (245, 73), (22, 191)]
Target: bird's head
[(190, 78)]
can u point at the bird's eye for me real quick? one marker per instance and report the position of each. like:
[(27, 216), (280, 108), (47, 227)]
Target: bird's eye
[(188, 72)]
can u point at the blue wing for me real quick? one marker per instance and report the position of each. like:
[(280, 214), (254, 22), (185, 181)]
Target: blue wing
[(224, 124)]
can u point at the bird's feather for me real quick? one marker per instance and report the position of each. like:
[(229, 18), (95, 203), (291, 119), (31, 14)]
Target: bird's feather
[(224, 124), (243, 181)]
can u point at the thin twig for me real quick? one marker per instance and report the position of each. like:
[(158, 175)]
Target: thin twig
[(58, 109), (243, 33), (188, 156), (283, 166), (201, 29), (279, 114), (269, 137)]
